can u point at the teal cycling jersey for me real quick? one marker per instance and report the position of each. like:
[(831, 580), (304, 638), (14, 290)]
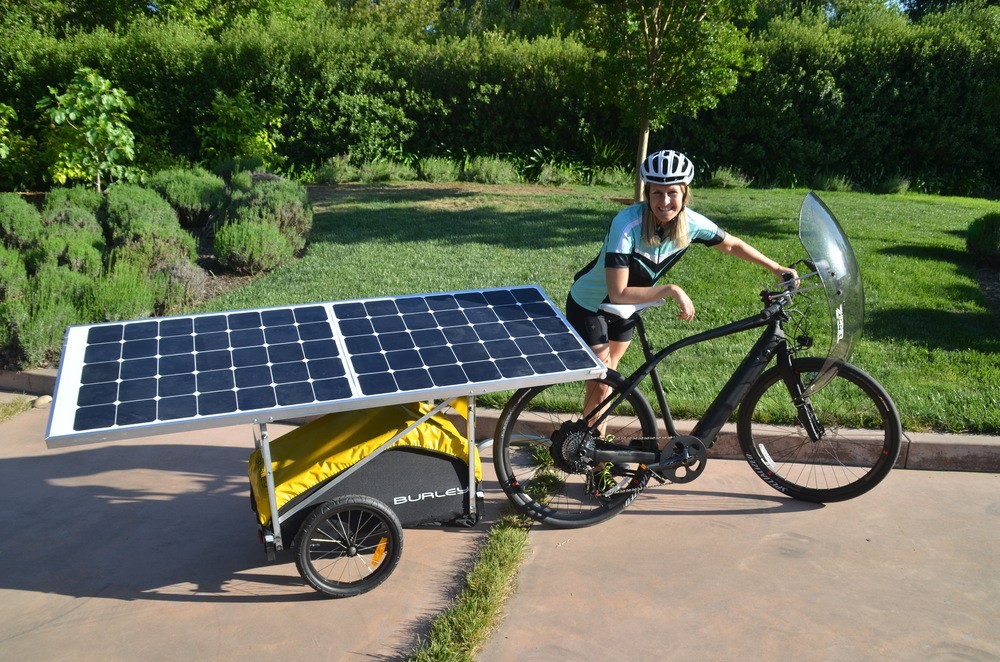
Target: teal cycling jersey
[(624, 248)]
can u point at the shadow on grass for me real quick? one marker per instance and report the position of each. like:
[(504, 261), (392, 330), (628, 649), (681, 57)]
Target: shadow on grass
[(932, 253), (951, 331), (359, 214), (490, 226)]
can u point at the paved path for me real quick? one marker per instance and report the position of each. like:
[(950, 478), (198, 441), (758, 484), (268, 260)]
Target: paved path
[(726, 569), (147, 550)]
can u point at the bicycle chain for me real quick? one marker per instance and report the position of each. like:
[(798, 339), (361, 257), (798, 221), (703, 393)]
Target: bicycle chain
[(636, 474), (660, 479)]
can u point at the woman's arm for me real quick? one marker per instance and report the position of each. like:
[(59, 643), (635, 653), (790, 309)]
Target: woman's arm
[(619, 291), (741, 249)]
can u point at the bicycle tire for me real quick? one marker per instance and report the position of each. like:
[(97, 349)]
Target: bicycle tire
[(540, 489), (858, 447), (348, 546)]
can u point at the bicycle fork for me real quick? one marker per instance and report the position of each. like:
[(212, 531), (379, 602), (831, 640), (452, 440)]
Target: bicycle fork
[(803, 406)]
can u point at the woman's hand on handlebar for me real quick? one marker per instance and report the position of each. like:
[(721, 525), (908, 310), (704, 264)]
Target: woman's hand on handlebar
[(788, 275)]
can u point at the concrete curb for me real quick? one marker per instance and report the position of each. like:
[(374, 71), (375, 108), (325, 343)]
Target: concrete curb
[(30, 382), (923, 451)]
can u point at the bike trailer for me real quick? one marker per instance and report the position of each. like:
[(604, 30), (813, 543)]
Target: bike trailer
[(423, 477)]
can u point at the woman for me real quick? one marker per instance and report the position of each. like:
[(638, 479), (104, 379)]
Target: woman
[(644, 241)]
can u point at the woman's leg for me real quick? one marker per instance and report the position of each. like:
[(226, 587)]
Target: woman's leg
[(610, 354)]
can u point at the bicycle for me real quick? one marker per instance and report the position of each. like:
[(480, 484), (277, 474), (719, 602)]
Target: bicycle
[(814, 428)]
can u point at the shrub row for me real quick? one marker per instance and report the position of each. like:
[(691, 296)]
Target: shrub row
[(983, 240), (869, 97), (881, 102), (86, 257), (549, 171)]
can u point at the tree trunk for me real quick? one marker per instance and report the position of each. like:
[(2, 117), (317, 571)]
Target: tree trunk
[(640, 157)]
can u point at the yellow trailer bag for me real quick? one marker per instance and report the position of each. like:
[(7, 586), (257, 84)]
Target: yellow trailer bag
[(436, 458)]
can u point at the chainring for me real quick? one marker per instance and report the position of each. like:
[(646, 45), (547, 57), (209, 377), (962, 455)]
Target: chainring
[(692, 456)]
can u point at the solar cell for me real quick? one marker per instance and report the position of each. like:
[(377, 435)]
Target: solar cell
[(139, 377)]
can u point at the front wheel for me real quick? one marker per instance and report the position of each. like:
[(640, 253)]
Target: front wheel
[(859, 433), (348, 546), (530, 431)]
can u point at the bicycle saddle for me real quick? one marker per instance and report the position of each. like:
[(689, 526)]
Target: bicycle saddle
[(626, 310)]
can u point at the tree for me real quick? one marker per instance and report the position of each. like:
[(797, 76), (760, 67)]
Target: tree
[(667, 57), (917, 9), (62, 17), (90, 133)]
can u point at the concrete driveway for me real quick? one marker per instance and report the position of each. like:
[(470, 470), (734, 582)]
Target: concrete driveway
[(147, 550)]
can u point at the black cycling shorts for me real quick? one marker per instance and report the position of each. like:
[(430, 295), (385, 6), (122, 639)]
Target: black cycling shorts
[(598, 328)]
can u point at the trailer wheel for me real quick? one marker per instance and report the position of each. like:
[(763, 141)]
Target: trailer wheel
[(348, 546)]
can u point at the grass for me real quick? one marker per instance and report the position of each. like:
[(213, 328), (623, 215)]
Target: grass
[(457, 633), (13, 407), (929, 336)]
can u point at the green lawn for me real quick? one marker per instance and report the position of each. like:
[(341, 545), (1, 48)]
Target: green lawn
[(929, 336)]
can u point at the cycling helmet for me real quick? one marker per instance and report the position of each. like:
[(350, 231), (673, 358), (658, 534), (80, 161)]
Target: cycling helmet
[(667, 167)]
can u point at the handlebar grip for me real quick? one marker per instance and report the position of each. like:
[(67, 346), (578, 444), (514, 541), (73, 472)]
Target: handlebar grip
[(770, 311)]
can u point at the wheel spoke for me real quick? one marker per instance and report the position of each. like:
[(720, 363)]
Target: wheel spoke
[(534, 470), (348, 546), (858, 446)]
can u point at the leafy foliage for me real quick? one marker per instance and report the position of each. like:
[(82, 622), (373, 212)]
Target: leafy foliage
[(7, 114), (277, 202), (337, 170), (727, 178), (239, 126), (20, 222), (36, 321), (665, 58), (855, 89), (67, 246), (251, 247), (141, 224), (13, 275), (983, 240), (437, 169), (198, 196), (870, 97), (489, 170), (90, 135)]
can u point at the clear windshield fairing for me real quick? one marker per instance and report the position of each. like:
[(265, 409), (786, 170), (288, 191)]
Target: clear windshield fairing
[(831, 253)]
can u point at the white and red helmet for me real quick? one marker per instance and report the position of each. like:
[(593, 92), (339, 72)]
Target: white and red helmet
[(667, 167)]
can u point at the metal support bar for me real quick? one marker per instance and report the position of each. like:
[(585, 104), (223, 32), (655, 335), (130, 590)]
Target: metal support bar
[(272, 500), (471, 436)]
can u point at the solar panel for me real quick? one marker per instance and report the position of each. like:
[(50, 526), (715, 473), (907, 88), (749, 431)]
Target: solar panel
[(128, 379)]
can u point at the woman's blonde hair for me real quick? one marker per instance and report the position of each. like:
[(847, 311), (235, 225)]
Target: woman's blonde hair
[(677, 229)]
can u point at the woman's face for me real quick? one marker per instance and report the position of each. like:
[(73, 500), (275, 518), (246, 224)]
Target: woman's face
[(666, 200)]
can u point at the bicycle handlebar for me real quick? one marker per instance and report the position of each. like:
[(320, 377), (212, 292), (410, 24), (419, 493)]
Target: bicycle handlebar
[(772, 310)]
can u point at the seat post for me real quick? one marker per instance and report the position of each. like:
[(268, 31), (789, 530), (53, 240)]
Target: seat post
[(661, 398), (640, 326)]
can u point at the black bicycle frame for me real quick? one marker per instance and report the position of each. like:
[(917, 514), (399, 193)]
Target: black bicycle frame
[(771, 344)]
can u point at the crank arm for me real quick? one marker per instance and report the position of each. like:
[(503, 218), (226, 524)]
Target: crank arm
[(672, 462)]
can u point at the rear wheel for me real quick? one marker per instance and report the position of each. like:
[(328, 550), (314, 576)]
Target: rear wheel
[(348, 546), (858, 445), (528, 433)]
